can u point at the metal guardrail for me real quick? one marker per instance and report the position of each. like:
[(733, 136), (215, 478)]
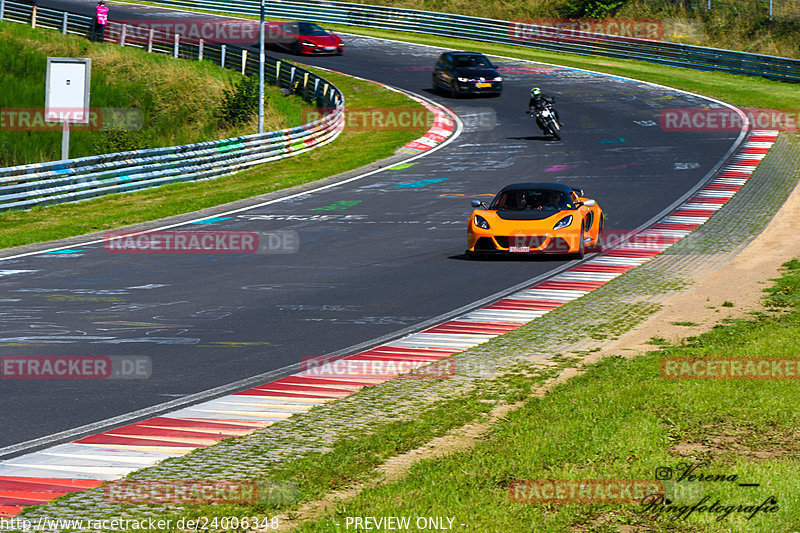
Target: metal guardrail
[(88, 177), (510, 32)]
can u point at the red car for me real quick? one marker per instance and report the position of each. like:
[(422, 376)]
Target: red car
[(304, 38)]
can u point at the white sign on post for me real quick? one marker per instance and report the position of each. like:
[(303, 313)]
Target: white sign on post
[(67, 94)]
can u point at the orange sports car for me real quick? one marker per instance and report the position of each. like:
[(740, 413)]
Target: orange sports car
[(533, 218)]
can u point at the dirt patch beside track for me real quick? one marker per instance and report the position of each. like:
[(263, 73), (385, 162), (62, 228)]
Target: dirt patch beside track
[(741, 282)]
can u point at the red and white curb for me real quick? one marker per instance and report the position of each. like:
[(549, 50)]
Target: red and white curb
[(442, 128), (88, 462)]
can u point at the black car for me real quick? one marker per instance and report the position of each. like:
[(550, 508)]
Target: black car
[(466, 73)]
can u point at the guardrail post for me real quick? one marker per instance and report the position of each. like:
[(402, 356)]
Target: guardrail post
[(2, 8), (244, 61), (222, 50), (200, 50), (176, 45), (150, 40), (33, 17), (291, 78), (124, 33), (63, 23), (278, 73)]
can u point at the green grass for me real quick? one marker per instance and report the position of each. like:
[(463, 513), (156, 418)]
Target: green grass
[(621, 420), (178, 100), (66, 220)]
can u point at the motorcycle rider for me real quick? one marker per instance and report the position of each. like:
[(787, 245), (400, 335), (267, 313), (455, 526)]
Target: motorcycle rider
[(539, 101)]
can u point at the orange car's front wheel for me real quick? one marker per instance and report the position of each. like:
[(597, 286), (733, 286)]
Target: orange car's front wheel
[(582, 244)]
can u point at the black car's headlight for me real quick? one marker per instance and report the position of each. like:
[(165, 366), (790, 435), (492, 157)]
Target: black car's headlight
[(463, 80), (498, 78), (564, 222), (480, 222)]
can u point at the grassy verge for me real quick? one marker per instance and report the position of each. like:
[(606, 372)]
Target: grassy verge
[(170, 102), (622, 420), (55, 222)]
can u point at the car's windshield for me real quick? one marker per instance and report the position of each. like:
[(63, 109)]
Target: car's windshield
[(471, 61), (531, 200), (308, 29)]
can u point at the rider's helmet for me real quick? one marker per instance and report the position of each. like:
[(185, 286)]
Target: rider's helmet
[(536, 91)]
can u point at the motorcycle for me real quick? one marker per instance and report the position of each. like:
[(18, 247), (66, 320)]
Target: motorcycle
[(546, 120)]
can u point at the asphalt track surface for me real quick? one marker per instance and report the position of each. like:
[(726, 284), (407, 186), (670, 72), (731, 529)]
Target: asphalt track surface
[(390, 259)]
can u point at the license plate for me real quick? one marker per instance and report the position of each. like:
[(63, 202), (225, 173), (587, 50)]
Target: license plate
[(519, 249), (483, 84)]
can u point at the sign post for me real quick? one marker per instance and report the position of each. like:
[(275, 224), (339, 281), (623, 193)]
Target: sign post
[(67, 94), (261, 71)]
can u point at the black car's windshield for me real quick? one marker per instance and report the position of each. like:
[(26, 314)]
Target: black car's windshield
[(531, 200), (307, 29), (471, 61)]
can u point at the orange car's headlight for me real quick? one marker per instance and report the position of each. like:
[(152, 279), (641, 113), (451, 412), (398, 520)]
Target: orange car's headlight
[(564, 222), (480, 222)]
